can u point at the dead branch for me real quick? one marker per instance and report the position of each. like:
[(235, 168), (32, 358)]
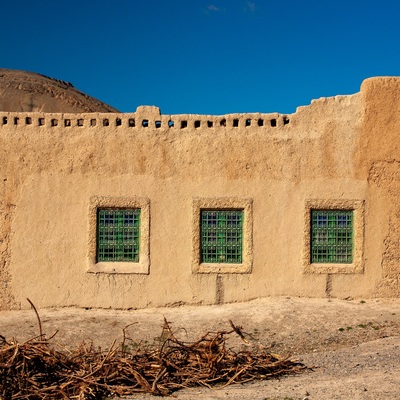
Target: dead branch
[(38, 318), (38, 369)]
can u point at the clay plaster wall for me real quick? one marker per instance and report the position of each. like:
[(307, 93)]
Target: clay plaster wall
[(54, 167)]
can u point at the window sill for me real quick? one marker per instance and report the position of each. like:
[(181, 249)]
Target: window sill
[(222, 268), (330, 268), (119, 268)]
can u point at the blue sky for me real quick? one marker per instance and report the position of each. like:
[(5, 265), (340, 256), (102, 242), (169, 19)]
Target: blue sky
[(204, 56)]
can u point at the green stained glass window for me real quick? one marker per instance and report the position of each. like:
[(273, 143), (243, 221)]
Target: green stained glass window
[(332, 236), (118, 235), (221, 236)]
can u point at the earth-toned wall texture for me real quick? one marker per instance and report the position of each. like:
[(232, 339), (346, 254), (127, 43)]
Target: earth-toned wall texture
[(278, 175)]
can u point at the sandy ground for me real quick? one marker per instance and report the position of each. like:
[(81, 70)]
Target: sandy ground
[(353, 347)]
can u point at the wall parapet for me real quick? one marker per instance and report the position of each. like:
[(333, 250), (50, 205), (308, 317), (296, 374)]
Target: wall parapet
[(142, 120)]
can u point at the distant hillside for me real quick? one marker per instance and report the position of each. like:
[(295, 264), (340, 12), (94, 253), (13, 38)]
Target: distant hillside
[(28, 91)]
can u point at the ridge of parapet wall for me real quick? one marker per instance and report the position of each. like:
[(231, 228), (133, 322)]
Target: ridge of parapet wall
[(344, 100), (150, 117), (141, 120)]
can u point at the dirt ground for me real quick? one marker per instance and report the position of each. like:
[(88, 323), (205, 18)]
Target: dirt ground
[(351, 346)]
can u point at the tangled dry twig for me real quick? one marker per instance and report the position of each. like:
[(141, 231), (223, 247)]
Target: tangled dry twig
[(39, 369)]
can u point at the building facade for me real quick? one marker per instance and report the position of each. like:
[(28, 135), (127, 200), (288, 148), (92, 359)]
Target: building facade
[(144, 209)]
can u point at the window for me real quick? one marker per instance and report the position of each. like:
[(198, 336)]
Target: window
[(332, 236), (222, 235), (119, 235)]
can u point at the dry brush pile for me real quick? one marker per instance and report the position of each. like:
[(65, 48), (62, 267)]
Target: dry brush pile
[(40, 369)]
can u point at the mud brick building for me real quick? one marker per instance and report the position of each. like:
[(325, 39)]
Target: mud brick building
[(132, 210)]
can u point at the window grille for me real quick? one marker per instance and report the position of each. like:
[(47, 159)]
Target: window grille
[(331, 236), (221, 236), (118, 235)]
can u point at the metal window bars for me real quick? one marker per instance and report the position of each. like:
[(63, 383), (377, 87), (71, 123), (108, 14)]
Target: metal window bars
[(118, 235), (332, 236), (221, 236)]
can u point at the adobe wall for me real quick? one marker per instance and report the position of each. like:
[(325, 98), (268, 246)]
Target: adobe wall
[(379, 158), (54, 166)]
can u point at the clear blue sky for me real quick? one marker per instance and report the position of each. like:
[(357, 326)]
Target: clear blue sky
[(204, 56)]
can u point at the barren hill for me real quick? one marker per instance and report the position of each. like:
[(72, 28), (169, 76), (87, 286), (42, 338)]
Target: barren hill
[(28, 91)]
